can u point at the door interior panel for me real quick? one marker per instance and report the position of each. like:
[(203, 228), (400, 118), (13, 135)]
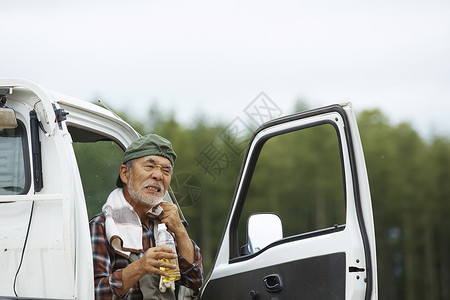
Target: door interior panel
[(321, 277)]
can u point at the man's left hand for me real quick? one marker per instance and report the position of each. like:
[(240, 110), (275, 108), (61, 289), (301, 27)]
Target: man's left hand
[(171, 217)]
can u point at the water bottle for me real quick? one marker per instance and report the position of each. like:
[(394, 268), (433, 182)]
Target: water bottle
[(164, 238)]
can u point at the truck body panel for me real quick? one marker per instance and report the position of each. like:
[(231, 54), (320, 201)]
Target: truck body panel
[(54, 258)]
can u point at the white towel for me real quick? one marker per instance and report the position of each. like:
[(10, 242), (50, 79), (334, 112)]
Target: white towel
[(122, 224)]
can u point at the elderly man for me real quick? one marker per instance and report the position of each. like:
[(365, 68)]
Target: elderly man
[(126, 259)]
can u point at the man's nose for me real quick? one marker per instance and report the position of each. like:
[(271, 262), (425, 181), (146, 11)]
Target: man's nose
[(157, 174)]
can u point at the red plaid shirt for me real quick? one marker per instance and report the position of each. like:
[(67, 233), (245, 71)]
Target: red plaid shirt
[(108, 265)]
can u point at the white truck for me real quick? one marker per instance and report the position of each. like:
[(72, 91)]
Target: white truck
[(45, 250)]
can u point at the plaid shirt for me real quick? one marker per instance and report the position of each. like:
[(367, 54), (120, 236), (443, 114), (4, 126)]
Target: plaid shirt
[(108, 265)]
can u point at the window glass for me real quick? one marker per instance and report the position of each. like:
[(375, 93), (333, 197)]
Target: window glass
[(13, 178), (99, 163), (298, 176)]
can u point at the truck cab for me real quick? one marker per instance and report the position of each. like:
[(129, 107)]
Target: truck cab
[(266, 252)]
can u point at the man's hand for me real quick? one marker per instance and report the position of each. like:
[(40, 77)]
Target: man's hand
[(152, 260), (172, 218), (147, 264)]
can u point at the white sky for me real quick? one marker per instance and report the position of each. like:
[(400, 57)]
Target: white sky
[(216, 57)]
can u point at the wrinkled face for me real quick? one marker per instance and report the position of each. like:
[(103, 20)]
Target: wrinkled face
[(149, 179)]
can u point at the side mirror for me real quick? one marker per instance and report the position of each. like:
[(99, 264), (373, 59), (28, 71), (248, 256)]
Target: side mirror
[(7, 118), (262, 230)]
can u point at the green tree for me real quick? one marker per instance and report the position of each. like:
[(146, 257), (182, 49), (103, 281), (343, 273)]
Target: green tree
[(409, 186)]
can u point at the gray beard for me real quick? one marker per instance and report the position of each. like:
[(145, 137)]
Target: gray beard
[(140, 197)]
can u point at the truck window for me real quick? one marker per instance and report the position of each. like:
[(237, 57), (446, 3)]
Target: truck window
[(298, 176), (14, 166), (99, 159)]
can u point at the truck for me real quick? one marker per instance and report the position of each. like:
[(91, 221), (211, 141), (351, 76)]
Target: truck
[(45, 249)]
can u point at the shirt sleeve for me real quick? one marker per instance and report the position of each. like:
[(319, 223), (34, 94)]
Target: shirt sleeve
[(106, 282), (191, 274)]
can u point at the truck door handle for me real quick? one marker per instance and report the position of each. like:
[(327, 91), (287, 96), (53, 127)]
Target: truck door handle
[(355, 269), (273, 283)]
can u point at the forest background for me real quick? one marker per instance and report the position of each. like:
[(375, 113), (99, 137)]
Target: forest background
[(409, 178)]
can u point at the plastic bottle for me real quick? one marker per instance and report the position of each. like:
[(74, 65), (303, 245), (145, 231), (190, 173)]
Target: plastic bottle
[(164, 238)]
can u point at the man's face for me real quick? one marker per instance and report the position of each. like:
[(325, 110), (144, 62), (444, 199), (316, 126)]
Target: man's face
[(149, 179)]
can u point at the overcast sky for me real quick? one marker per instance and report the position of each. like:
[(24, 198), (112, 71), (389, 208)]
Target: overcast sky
[(216, 57)]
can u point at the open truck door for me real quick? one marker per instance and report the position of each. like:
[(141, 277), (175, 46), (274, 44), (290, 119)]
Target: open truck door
[(308, 233)]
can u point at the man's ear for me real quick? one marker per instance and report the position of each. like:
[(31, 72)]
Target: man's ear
[(124, 174)]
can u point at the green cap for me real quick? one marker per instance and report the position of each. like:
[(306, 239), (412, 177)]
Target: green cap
[(151, 144)]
